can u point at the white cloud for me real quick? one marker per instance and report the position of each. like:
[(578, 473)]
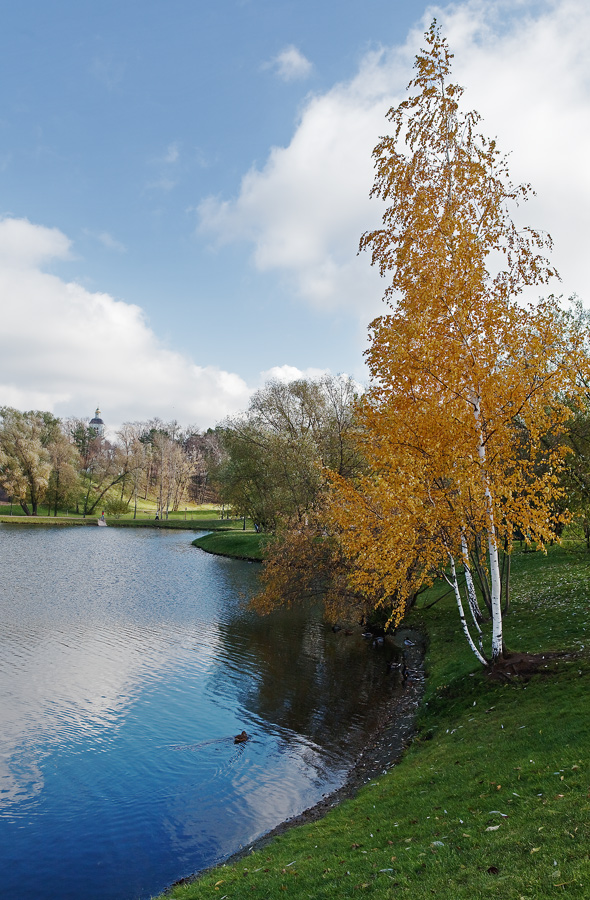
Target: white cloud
[(107, 240), (290, 64), (65, 349), (162, 184), (288, 373), (25, 245), (165, 164), (111, 243), (531, 83), (305, 210), (172, 154), (527, 71)]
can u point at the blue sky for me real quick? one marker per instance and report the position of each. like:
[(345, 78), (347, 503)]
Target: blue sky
[(183, 184)]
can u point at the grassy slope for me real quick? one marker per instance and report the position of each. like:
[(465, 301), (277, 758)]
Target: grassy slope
[(240, 544), (433, 824)]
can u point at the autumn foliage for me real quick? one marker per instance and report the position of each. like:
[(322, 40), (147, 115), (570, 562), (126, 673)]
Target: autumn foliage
[(467, 379)]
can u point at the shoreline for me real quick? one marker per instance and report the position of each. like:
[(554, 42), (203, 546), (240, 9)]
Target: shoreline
[(383, 749), (251, 559)]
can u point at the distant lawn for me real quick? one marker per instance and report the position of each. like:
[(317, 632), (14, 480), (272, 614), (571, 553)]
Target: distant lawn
[(491, 800), (198, 523), (47, 520), (240, 544), (203, 518)]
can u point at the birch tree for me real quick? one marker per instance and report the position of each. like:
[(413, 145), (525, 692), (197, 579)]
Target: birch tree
[(466, 378)]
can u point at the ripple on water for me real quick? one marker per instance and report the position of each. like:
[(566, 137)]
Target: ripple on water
[(127, 664)]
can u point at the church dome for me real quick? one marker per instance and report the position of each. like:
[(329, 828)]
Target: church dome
[(96, 420), (97, 423)]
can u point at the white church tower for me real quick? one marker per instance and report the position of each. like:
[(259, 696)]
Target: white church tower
[(96, 424)]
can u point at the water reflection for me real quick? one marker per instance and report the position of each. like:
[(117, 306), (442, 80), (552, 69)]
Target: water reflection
[(127, 662)]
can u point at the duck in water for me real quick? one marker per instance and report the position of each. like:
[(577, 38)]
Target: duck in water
[(241, 738)]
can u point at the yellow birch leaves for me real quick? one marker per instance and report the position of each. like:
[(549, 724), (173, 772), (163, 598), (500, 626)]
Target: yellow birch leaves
[(466, 380)]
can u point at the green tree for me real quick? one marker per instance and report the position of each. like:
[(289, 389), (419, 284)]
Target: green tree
[(25, 459), (275, 453), (64, 481)]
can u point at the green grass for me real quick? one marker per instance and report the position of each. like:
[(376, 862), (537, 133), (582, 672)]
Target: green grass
[(229, 538), (47, 520), (239, 544), (197, 523), (492, 799), (203, 518)]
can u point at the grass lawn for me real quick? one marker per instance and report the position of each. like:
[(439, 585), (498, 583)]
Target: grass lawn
[(241, 544), (492, 799), (47, 520), (194, 518)]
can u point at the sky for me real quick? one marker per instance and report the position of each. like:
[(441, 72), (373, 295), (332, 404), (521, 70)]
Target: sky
[(183, 184)]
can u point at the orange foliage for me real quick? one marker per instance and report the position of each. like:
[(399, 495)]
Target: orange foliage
[(466, 380)]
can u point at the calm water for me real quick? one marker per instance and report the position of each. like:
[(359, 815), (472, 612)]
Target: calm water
[(127, 663)]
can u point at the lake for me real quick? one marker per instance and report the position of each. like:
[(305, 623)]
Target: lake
[(128, 661)]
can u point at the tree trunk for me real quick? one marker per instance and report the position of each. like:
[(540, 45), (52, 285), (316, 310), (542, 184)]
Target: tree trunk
[(455, 585), (481, 575), (507, 584), (496, 581), (473, 604), (471, 595)]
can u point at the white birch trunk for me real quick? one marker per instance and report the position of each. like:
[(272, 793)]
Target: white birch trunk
[(496, 582), (471, 595), (455, 585)]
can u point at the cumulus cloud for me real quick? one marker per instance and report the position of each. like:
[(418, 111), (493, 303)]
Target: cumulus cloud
[(304, 211), (288, 373), (526, 70), (23, 245), (290, 64), (65, 349), (530, 80)]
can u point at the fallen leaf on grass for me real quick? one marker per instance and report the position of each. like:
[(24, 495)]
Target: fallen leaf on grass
[(492, 827), (535, 849), (493, 870)]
